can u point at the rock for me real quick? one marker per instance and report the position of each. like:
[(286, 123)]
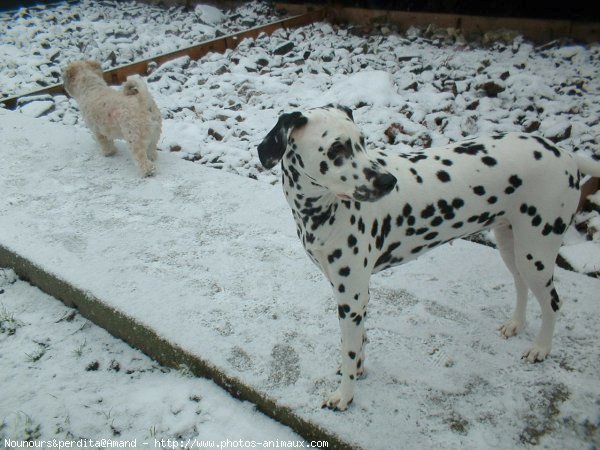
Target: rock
[(215, 134), (473, 105), (491, 88), (284, 49), (531, 126), (392, 131)]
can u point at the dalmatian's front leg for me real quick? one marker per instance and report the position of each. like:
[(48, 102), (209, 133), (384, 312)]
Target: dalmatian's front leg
[(352, 300)]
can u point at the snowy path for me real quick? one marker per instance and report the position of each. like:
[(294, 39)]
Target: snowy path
[(210, 261)]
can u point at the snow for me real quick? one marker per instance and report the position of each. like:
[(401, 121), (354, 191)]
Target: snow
[(83, 383), (209, 259)]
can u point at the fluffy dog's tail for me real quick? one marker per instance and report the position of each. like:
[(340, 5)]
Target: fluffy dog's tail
[(135, 85), (588, 166)]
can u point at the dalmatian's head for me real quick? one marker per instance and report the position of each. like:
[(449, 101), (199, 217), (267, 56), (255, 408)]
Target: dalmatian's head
[(325, 146)]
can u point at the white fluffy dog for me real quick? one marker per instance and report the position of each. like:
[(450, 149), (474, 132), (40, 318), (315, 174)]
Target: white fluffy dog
[(130, 114)]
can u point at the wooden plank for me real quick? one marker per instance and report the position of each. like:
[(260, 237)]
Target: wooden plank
[(538, 30), (219, 45)]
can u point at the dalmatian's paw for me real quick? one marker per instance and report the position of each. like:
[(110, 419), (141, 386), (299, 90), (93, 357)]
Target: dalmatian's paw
[(537, 353), (511, 328), (337, 402)]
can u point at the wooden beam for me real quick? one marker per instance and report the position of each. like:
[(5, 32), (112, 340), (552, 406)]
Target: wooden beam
[(537, 30)]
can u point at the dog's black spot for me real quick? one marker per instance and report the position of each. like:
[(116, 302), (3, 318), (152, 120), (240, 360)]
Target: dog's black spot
[(352, 240), (443, 176), (479, 190), (457, 225), (323, 167), (369, 173), (386, 227), (447, 162), (531, 211), (437, 221), (547, 229), (489, 161), (411, 220), (344, 271), (430, 236), (470, 148), (547, 145), (458, 203), (410, 231), (361, 226), (559, 226), (428, 211), (421, 231), (536, 221), (358, 319), (417, 249), (483, 217), (555, 302), (539, 265), (493, 199), (341, 288), (515, 182), (337, 253), (406, 210), (343, 310), (374, 228), (352, 355), (417, 158), (529, 256), (537, 155)]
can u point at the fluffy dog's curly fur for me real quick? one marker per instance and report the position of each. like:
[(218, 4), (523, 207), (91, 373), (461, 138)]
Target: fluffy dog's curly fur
[(130, 114)]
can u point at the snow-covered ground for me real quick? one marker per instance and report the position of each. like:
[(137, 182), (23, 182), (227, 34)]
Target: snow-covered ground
[(63, 377), (416, 89)]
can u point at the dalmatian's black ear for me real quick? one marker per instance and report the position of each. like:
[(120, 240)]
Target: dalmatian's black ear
[(272, 148)]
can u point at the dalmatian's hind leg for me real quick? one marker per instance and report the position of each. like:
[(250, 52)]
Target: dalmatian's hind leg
[(535, 257)]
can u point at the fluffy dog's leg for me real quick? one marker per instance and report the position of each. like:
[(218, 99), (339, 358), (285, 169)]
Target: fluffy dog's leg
[(107, 145), (139, 150), (151, 151), (506, 246)]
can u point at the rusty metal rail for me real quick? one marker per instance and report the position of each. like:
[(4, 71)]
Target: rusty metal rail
[(218, 45)]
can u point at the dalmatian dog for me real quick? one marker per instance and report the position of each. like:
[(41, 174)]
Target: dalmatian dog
[(358, 212)]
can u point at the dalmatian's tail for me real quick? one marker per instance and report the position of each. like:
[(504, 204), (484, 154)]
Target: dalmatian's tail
[(589, 166)]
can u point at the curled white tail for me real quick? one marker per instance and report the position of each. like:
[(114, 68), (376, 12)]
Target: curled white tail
[(134, 85)]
